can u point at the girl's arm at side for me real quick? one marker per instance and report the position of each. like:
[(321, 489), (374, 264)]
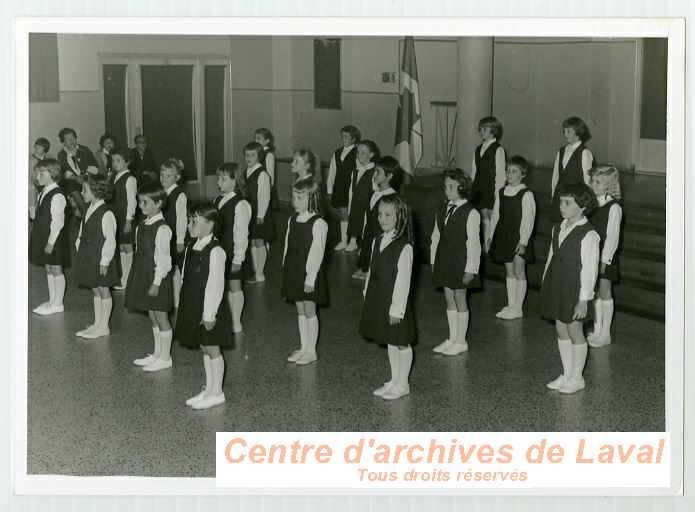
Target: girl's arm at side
[(287, 238), (319, 234), (214, 288), (528, 216), (401, 288), (181, 218), (474, 169), (131, 188), (242, 218), (58, 204), (587, 162), (162, 256), (270, 167), (263, 194), (589, 271), (556, 174), (369, 273), (332, 169), (435, 241), (615, 214), (550, 252), (473, 243), (108, 228), (500, 168), (494, 219)]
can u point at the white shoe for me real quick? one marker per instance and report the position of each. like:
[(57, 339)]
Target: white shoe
[(196, 398), (443, 346), (557, 383), (118, 287), (209, 401), (383, 389), (144, 361), (456, 348), (294, 356), (396, 392), (340, 247), (599, 341), (51, 309), (352, 247), (158, 364), (512, 314), (593, 336), (41, 307), (502, 312), (306, 359), (85, 330), (572, 385), (90, 335)]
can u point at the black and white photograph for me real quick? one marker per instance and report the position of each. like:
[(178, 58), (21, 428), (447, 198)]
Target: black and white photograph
[(339, 233)]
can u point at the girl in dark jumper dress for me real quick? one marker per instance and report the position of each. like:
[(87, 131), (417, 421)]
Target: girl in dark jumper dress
[(303, 280), (204, 318), (124, 206), (174, 211), (360, 190), (339, 174), (261, 229)]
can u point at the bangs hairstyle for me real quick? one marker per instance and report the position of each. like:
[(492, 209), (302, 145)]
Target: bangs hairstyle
[(465, 188), (100, 186), (43, 142), (579, 127), (267, 135), (613, 178), (65, 131), (138, 137), (353, 132), (494, 125), (255, 146), (403, 227), (104, 138), (124, 152), (233, 170), (52, 166), (312, 161), (172, 164), (207, 210), (391, 166), (520, 163), (582, 194), (313, 190), (373, 148), (153, 190)]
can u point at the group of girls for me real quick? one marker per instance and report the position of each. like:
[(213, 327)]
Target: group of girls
[(228, 241)]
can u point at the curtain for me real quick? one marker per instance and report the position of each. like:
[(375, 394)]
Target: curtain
[(44, 85)]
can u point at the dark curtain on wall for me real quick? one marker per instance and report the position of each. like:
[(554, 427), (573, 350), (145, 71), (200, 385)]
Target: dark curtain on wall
[(214, 118), (44, 86), (327, 88), (654, 69), (114, 102), (167, 114)]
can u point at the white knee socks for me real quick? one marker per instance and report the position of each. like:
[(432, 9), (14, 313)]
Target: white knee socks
[(51, 288), (97, 312), (486, 231), (607, 307), (208, 372), (59, 289), (394, 362), (520, 294), (105, 314), (126, 263), (565, 347), (578, 360), (236, 304), (261, 256), (157, 341), (511, 291), (217, 371), (598, 316), (461, 327), (451, 316), (176, 283), (343, 232), (303, 334), (312, 327), (165, 337), (405, 359)]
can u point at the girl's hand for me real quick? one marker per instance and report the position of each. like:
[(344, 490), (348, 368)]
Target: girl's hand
[(153, 291), (580, 310), (603, 268), (308, 289), (488, 243), (394, 321), (180, 248), (235, 267), (520, 249), (126, 227), (209, 325), (467, 277), (48, 249), (259, 221), (103, 269)]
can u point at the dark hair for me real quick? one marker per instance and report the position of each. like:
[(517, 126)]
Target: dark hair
[(153, 190), (232, 170), (313, 189), (520, 163), (208, 211), (403, 227), (52, 166), (579, 127), (254, 146), (43, 142), (268, 135), (373, 148), (353, 132), (62, 133), (312, 161), (106, 137), (140, 136), (582, 194), (494, 125), (100, 186), (391, 166), (124, 152), (465, 187)]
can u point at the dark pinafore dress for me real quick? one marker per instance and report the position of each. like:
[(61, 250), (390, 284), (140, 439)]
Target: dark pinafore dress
[(452, 253), (228, 212), (141, 274), (573, 174), (169, 212), (89, 254), (374, 323), (372, 229), (41, 230), (265, 231), (599, 219), (485, 173), (561, 284), (119, 207), (299, 240), (189, 330), (343, 171), (506, 237), (361, 194)]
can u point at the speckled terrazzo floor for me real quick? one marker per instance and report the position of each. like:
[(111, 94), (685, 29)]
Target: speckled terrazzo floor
[(92, 412)]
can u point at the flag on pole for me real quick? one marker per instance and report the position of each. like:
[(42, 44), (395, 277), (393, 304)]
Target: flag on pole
[(408, 122)]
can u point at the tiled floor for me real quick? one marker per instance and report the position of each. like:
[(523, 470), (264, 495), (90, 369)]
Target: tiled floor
[(92, 412)]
